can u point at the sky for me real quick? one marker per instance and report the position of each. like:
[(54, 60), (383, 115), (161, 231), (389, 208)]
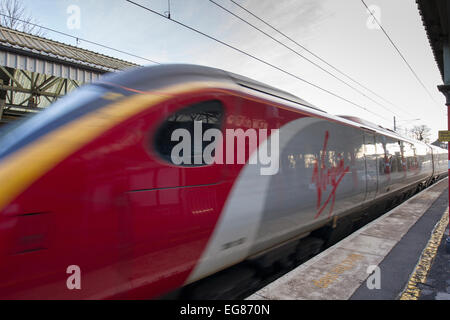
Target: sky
[(340, 32)]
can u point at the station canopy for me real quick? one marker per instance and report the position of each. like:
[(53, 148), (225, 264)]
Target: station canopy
[(435, 18), (35, 71)]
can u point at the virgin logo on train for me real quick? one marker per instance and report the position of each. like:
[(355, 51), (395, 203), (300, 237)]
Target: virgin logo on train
[(324, 176)]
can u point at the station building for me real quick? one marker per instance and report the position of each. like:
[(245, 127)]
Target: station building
[(35, 71)]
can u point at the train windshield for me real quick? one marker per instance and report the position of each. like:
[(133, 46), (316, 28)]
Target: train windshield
[(19, 133)]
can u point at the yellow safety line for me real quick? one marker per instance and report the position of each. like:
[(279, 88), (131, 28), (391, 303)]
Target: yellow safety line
[(412, 291)]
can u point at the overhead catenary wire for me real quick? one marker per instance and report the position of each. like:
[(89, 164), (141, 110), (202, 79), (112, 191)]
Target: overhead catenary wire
[(81, 39), (398, 51), (256, 58), (303, 57), (318, 57)]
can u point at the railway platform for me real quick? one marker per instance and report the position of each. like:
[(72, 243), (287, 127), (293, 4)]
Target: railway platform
[(400, 255)]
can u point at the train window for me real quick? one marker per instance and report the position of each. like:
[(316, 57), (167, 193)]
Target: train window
[(209, 113)]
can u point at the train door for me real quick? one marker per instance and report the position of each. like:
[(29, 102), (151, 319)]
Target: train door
[(411, 162), (391, 166), (397, 160), (370, 152), (383, 164)]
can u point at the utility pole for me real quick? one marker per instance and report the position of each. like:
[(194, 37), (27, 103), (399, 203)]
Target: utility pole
[(395, 125)]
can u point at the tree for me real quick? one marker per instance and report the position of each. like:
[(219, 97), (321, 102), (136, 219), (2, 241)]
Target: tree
[(15, 16), (421, 133)]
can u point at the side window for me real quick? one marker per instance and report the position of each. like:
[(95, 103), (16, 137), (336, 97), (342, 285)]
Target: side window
[(412, 157), (198, 117), (393, 156)]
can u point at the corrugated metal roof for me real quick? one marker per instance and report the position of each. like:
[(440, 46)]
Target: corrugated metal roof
[(44, 66), (27, 44)]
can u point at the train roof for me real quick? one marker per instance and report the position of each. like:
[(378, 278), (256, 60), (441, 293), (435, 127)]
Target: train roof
[(259, 86), (154, 77), (371, 125)]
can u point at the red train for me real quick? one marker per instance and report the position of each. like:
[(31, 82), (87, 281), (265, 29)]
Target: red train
[(90, 185)]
